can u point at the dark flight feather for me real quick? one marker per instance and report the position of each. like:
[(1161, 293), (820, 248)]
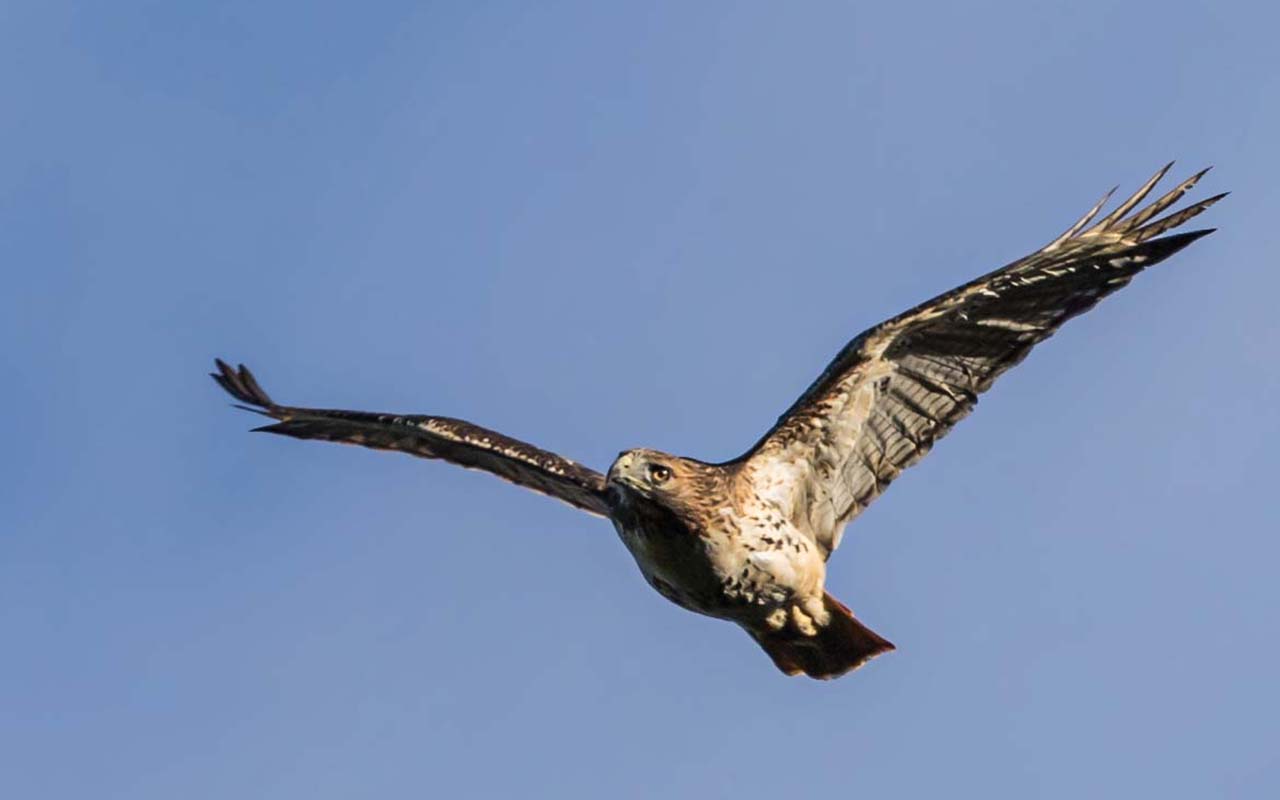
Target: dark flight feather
[(897, 388), (448, 439)]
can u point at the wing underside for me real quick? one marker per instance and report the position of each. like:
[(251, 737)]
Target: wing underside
[(897, 388)]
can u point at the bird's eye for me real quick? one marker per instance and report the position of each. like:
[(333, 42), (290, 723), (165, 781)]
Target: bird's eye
[(659, 473)]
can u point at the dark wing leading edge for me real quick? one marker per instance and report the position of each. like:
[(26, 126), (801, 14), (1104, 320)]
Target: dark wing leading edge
[(451, 440), (900, 386)]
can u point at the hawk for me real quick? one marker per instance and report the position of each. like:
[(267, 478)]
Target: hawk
[(747, 540)]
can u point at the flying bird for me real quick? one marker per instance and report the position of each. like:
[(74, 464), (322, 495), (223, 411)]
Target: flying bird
[(747, 540)]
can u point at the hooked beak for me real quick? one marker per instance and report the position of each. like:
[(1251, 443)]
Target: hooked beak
[(621, 474)]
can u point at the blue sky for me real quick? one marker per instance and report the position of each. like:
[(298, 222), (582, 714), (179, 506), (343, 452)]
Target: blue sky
[(598, 226)]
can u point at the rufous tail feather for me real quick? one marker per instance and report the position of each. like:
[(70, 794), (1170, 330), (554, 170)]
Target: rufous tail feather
[(840, 646)]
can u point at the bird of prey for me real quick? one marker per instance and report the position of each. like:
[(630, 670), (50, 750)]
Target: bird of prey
[(747, 540)]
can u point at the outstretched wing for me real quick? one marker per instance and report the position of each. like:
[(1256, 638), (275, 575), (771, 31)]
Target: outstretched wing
[(900, 386), (452, 440)]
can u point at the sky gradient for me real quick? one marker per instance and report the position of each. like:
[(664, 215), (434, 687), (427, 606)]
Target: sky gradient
[(596, 226)]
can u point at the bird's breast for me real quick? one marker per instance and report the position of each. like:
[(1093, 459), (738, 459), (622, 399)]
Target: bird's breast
[(674, 560)]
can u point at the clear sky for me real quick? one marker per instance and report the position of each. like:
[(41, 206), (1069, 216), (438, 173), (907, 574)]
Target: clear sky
[(598, 226)]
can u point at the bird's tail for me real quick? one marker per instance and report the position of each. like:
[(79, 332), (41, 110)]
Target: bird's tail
[(842, 645)]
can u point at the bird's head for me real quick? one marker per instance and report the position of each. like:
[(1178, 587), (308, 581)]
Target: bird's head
[(660, 478)]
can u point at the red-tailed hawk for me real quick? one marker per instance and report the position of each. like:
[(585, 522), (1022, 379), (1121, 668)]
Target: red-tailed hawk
[(747, 540)]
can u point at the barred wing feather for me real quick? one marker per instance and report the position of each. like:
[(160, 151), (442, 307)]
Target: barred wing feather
[(899, 387)]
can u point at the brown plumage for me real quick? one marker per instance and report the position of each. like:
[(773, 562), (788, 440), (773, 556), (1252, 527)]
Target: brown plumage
[(747, 540), (843, 644)]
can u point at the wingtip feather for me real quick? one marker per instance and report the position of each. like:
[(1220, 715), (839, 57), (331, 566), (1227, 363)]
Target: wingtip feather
[(1083, 221), (1138, 227), (240, 383), (1173, 220), (1137, 197)]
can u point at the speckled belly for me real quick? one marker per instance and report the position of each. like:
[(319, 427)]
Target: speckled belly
[(730, 577)]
